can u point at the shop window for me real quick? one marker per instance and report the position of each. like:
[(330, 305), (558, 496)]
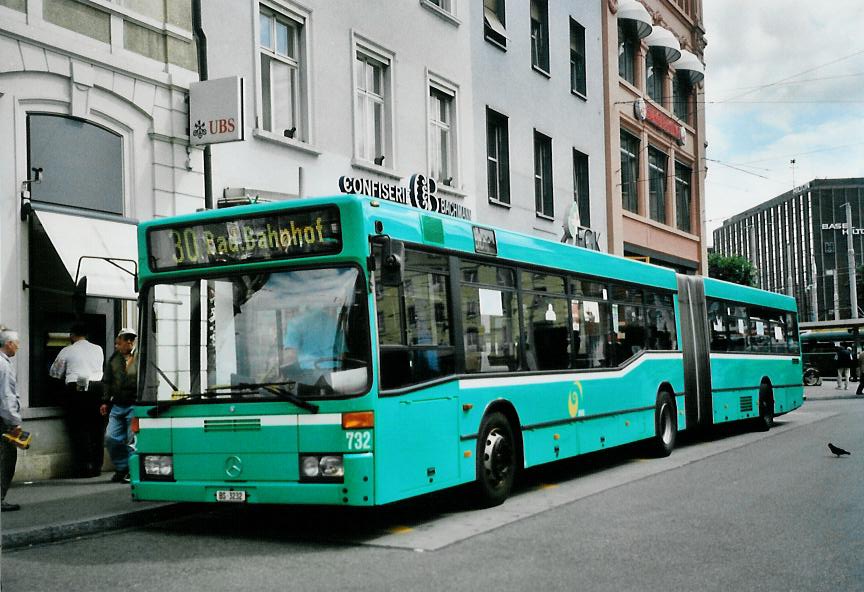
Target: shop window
[(90, 179)]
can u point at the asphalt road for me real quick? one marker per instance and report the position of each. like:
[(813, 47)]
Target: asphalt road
[(740, 511)]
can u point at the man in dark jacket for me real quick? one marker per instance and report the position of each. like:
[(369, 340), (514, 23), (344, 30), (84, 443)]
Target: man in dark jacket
[(121, 382)]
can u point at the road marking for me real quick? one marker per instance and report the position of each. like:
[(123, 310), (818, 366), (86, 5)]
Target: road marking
[(447, 529)]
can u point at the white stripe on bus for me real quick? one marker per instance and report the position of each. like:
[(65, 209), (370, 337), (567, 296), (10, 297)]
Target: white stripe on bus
[(569, 376)]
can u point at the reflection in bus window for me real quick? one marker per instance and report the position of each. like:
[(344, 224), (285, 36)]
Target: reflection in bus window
[(491, 329)]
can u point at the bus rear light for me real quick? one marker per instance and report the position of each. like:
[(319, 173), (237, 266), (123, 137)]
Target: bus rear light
[(135, 425), (358, 419)]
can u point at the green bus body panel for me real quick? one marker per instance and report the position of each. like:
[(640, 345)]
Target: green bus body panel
[(425, 438), (736, 380)]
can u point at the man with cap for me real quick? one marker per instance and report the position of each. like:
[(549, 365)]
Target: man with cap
[(79, 366), (121, 384)]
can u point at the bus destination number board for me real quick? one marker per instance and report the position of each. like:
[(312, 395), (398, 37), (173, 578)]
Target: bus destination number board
[(283, 235)]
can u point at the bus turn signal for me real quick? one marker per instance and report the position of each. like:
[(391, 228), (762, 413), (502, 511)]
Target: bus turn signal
[(358, 419)]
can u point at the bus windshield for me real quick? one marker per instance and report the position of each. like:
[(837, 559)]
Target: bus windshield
[(304, 331)]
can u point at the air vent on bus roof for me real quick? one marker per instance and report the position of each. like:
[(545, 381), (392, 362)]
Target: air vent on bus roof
[(433, 229)]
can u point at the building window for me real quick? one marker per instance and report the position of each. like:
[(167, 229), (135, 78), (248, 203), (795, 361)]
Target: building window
[(683, 179), (655, 70), (543, 175), (681, 91), (580, 187), (281, 75), (445, 5), (627, 44), (540, 35), (497, 157), (629, 172), (494, 22), (442, 135), (371, 108), (656, 184), (577, 58), (90, 179)]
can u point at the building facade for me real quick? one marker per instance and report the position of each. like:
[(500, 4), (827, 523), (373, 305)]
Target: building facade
[(93, 137), (655, 131), (799, 244)]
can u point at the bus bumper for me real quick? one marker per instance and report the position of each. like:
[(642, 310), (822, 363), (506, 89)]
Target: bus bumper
[(357, 489)]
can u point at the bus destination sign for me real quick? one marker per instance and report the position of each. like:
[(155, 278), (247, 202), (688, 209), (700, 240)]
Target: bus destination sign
[(282, 235)]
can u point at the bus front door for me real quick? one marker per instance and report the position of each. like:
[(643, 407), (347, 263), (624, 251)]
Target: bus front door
[(695, 344)]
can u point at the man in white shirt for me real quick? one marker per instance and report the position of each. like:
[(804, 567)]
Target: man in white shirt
[(79, 366)]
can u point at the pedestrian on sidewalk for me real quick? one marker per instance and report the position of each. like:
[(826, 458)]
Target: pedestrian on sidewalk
[(860, 390), (79, 366), (121, 380), (843, 360), (10, 414)]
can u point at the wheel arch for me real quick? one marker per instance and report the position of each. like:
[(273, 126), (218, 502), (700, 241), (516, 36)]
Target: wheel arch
[(508, 410)]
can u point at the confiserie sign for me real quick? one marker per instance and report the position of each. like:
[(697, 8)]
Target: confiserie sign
[(283, 235)]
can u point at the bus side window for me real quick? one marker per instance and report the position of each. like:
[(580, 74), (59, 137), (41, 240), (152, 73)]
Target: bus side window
[(719, 340), (792, 345)]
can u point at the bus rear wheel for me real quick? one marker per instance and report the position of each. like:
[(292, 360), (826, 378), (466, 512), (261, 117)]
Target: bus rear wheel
[(665, 426), (765, 421), (496, 460)]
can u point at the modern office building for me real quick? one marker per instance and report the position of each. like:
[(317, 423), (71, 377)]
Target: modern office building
[(93, 137), (799, 243), (655, 131)]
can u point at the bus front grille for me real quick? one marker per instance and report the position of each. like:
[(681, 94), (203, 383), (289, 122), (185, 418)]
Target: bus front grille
[(232, 425)]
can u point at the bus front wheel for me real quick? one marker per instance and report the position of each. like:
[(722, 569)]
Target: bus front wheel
[(496, 460), (665, 426)]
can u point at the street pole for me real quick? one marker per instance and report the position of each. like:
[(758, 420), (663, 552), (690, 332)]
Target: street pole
[(833, 274), (850, 249)]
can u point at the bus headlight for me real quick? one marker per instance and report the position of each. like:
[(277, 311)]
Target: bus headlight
[(158, 466), (324, 467)]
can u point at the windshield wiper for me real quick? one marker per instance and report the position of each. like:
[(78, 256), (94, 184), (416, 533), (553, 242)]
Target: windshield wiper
[(276, 388)]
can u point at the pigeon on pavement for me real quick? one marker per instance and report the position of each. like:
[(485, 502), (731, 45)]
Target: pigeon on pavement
[(837, 450)]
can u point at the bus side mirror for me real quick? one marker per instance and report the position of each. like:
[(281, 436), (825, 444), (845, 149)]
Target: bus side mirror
[(393, 263)]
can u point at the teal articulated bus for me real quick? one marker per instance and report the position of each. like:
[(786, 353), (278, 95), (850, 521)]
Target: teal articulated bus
[(353, 351)]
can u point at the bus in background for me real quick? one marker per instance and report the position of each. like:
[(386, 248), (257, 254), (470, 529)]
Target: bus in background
[(353, 351), (819, 341)]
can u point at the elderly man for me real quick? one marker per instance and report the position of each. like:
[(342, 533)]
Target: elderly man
[(10, 414), (79, 366)]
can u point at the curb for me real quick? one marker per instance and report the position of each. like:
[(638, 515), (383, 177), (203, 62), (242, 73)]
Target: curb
[(24, 537)]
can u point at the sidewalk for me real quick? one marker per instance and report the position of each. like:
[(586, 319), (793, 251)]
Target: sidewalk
[(67, 508), (828, 390)]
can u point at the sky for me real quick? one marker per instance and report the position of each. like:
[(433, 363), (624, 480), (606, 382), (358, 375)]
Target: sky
[(784, 80)]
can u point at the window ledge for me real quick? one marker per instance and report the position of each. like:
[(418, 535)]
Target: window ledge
[(287, 142), (500, 204), (541, 71), (543, 216), (451, 191), (491, 40), (374, 168), (440, 13), (578, 95)]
